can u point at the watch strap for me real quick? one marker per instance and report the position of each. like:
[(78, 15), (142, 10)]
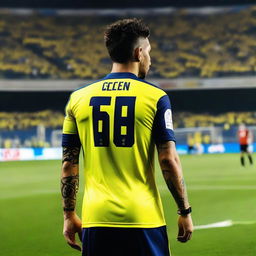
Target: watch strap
[(185, 212)]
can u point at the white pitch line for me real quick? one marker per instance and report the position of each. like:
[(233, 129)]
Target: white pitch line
[(226, 223), (222, 224)]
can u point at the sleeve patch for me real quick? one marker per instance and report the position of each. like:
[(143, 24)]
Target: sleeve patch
[(168, 119), (162, 129)]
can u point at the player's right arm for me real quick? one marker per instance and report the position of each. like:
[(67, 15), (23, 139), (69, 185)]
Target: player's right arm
[(69, 188), (172, 172), (70, 179)]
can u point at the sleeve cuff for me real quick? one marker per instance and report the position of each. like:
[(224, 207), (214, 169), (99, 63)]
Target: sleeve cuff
[(70, 140)]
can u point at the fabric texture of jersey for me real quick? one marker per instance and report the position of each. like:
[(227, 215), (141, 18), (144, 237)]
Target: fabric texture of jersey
[(118, 120), (100, 241)]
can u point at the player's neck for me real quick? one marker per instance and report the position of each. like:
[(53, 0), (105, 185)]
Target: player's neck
[(129, 67)]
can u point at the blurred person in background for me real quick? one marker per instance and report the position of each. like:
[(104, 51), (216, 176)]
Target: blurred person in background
[(245, 139), (190, 143), (118, 121), (198, 143)]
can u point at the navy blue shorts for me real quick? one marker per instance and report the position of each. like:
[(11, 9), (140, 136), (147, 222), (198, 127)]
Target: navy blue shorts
[(244, 148), (104, 241)]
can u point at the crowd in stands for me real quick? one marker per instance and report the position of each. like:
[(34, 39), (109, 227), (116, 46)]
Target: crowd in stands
[(225, 120), (54, 120), (183, 45), (18, 129), (26, 120)]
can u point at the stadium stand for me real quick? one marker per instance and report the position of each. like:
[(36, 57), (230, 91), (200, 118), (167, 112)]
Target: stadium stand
[(19, 129), (184, 45), (54, 119), (25, 120), (226, 120)]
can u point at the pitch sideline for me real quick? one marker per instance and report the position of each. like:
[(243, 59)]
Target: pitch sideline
[(222, 224)]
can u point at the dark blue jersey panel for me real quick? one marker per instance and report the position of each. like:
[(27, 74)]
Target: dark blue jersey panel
[(119, 75), (70, 140), (161, 128)]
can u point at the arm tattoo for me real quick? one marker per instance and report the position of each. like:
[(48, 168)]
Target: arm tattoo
[(178, 191), (69, 188), (71, 154), (176, 184)]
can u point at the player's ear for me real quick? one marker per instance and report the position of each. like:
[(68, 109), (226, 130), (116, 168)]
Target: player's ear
[(138, 54)]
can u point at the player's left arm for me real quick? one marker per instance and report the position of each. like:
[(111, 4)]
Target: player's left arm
[(70, 178), (170, 164), (172, 171)]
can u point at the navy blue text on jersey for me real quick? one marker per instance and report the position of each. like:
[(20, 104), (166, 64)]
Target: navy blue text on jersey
[(116, 86)]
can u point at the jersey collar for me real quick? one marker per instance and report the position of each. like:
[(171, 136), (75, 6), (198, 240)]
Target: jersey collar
[(121, 75)]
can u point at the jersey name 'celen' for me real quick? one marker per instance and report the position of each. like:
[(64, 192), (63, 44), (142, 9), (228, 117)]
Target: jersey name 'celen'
[(116, 86)]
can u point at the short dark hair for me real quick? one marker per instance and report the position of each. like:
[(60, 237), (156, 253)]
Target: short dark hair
[(121, 37)]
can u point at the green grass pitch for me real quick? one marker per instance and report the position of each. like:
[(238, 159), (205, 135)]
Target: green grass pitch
[(219, 189)]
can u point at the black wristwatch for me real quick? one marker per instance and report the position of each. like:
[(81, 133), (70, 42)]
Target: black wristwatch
[(185, 212)]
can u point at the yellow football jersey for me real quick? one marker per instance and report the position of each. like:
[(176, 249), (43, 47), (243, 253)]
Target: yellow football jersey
[(118, 120)]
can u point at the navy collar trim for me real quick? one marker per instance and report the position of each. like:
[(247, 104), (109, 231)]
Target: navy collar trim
[(121, 75)]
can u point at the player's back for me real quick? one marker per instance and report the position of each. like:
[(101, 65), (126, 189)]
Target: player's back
[(117, 122)]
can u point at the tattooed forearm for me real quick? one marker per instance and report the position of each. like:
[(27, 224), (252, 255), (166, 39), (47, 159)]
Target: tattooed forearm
[(178, 190), (69, 188), (70, 178), (71, 154), (172, 172)]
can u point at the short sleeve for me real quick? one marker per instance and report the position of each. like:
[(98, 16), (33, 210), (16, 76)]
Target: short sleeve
[(163, 125), (70, 137)]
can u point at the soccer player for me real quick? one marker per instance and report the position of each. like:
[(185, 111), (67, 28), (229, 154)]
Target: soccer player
[(244, 137), (117, 121), (191, 143)]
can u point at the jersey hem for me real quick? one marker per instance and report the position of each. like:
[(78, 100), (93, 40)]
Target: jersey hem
[(121, 225)]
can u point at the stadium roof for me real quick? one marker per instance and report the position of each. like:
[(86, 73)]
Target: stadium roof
[(78, 4)]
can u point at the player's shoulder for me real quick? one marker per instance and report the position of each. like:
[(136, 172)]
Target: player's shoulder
[(151, 91), (152, 87), (160, 95)]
